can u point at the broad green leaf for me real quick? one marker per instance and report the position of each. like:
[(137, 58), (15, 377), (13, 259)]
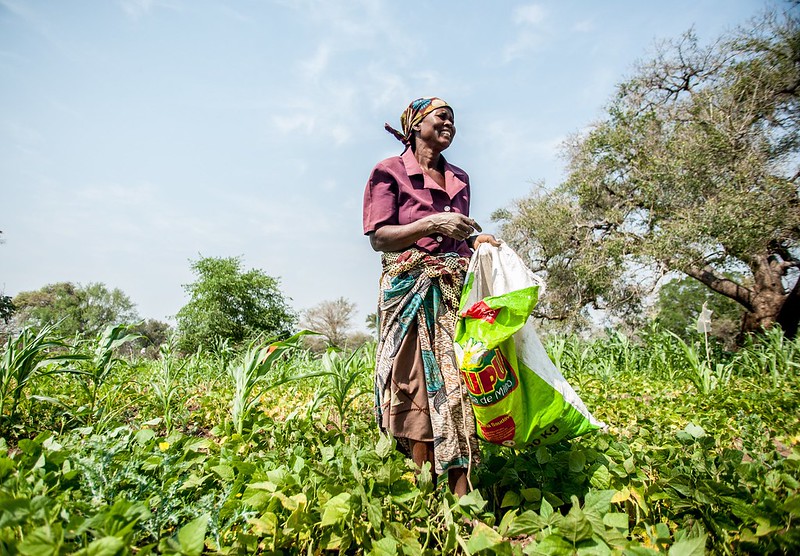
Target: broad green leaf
[(577, 461), (386, 546), (531, 494), (600, 477), (617, 520), (792, 505), (374, 514), (326, 453), (575, 527), (598, 500), (43, 541), (554, 500), (695, 546), (696, 431), (267, 524), (225, 472), (595, 546), (384, 446), (484, 538), (263, 485), (407, 538), (105, 546), (506, 521), (543, 454), (628, 465), (472, 501), (554, 545), (144, 436), (546, 510), (191, 536), (510, 499), (15, 510), (336, 509), (765, 527), (527, 523)]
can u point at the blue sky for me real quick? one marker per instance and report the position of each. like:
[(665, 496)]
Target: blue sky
[(139, 134)]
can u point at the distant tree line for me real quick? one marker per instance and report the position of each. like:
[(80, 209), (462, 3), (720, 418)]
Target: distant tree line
[(227, 305)]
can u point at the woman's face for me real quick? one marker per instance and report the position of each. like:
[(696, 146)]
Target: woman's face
[(437, 129)]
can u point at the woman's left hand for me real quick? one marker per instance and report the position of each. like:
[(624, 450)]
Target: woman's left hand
[(485, 238)]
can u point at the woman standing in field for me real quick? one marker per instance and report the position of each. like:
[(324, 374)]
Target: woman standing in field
[(416, 212)]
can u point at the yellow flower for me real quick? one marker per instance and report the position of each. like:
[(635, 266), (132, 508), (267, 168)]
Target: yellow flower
[(163, 446)]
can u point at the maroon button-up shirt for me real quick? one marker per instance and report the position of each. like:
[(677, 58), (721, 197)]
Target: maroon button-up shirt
[(399, 192)]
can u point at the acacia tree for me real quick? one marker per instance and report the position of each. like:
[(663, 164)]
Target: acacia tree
[(693, 170), (229, 303)]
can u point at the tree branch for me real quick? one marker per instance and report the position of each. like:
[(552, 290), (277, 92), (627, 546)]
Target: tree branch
[(721, 284)]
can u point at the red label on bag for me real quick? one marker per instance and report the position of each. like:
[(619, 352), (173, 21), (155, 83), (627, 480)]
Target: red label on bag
[(498, 430), (492, 381), (481, 311)]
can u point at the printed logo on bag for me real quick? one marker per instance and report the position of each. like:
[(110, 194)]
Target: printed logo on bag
[(491, 380), (499, 430), (482, 312)]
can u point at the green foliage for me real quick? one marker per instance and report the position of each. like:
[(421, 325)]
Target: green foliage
[(348, 378), (74, 310), (23, 357), (153, 334), (228, 303), (252, 370), (692, 170), (681, 469)]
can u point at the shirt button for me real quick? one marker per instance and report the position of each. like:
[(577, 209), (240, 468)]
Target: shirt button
[(447, 209), (439, 239)]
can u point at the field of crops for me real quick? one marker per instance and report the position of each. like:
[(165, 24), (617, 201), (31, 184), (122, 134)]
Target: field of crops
[(272, 450)]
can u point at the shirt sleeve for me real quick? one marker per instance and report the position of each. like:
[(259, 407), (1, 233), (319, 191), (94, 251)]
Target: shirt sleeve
[(380, 200)]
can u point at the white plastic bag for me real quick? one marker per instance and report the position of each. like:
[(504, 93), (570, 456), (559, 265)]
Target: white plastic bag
[(518, 396)]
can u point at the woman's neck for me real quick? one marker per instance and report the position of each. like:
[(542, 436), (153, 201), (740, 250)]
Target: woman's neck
[(428, 158)]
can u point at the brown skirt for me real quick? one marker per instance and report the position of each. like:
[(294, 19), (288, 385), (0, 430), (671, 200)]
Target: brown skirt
[(408, 415)]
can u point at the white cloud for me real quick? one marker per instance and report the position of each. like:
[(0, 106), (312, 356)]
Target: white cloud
[(529, 15), (326, 111), (314, 67), (584, 26), (305, 123), (532, 34)]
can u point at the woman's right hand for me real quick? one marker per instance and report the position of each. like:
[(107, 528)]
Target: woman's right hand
[(454, 224)]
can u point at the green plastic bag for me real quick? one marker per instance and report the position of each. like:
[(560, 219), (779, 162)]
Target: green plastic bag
[(518, 396)]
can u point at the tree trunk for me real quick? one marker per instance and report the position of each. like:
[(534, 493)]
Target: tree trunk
[(766, 301), (769, 301)]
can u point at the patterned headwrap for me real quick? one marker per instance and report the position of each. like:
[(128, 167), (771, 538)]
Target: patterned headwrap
[(413, 115)]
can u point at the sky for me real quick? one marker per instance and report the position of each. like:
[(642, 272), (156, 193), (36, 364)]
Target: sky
[(137, 136)]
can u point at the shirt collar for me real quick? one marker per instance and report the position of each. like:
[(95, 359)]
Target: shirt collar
[(453, 183)]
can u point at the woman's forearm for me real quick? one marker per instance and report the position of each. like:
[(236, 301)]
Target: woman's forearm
[(396, 237)]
